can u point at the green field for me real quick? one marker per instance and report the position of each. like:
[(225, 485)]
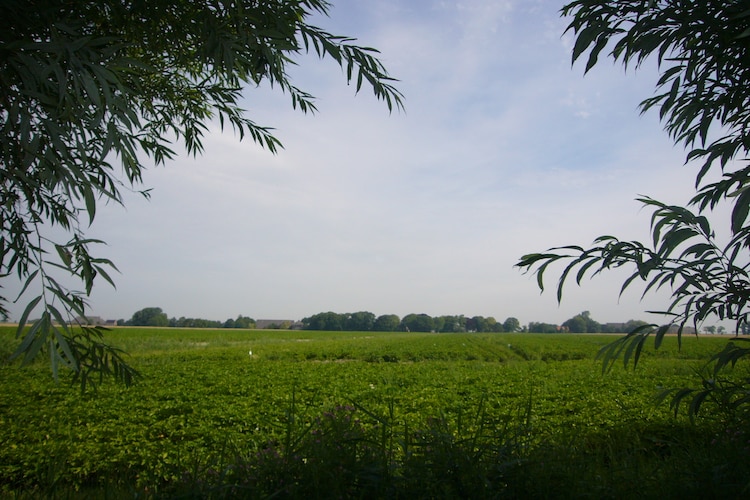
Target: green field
[(369, 415)]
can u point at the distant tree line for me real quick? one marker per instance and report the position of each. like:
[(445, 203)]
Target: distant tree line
[(584, 323), (365, 321), (154, 316)]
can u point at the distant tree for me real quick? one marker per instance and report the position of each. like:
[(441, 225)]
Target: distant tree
[(149, 316), (386, 323), (721, 330), (632, 324), (362, 321), (417, 323), (576, 324), (512, 325), (244, 322), (184, 322), (481, 324), (451, 324), (438, 323), (491, 325), (326, 321), (228, 323), (582, 323), (542, 328), (710, 329), (475, 324)]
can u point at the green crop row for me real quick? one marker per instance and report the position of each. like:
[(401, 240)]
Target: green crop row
[(206, 395)]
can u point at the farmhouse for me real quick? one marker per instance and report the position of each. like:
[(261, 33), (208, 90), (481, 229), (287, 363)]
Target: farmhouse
[(94, 321), (282, 324)]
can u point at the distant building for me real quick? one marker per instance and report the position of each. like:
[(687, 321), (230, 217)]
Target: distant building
[(623, 328), (94, 321), (89, 320), (282, 324), (688, 330)]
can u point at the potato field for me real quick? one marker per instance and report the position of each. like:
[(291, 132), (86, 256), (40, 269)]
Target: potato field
[(282, 414)]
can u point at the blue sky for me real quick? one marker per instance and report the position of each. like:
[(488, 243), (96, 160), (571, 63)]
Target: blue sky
[(504, 149)]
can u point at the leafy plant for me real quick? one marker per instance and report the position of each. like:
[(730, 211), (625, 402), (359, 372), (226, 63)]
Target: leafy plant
[(87, 90), (702, 49), (208, 420)]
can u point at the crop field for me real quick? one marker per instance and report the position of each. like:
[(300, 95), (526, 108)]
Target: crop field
[(262, 413)]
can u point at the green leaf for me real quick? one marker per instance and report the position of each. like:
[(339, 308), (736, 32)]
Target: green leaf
[(29, 279), (635, 345), (65, 255), (696, 402), (674, 238), (584, 268), (27, 340), (660, 333), (584, 39), (101, 272), (58, 317), (25, 315), (38, 340), (679, 395), (740, 211), (601, 42), (669, 74), (70, 358)]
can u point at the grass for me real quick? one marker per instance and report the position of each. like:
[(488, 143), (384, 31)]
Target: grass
[(372, 415)]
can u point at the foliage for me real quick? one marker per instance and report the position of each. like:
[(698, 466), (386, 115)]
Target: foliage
[(386, 323), (536, 327), (85, 87), (365, 321), (450, 324), (417, 323), (582, 323), (240, 322), (154, 316), (511, 325), (482, 324), (150, 316), (702, 49), (324, 321), (183, 322), (362, 321)]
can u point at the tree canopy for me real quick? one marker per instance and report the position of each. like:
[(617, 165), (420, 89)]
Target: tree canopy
[(149, 316), (512, 325), (93, 93), (703, 53)]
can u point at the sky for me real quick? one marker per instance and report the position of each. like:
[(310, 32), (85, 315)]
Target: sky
[(504, 149)]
